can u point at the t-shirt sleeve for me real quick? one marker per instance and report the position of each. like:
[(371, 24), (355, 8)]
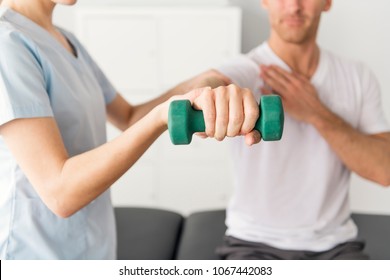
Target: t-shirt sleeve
[(23, 91), (108, 89), (241, 70), (372, 118)]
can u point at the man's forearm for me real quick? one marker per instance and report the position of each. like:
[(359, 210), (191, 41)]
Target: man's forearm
[(366, 155), (209, 78)]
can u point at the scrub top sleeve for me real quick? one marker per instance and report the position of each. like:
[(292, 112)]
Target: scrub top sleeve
[(372, 118), (22, 84)]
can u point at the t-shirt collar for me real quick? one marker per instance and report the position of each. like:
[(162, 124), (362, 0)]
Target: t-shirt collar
[(318, 75)]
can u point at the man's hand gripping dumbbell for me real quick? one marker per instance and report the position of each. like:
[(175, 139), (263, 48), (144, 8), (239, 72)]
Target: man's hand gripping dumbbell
[(225, 111)]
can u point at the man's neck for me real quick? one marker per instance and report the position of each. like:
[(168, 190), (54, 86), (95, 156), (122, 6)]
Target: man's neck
[(301, 58)]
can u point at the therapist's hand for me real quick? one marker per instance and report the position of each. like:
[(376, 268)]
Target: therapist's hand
[(228, 111)]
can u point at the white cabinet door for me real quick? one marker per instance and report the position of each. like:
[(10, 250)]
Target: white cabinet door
[(194, 41), (124, 46), (145, 51)]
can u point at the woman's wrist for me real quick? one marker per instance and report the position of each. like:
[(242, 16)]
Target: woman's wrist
[(160, 115)]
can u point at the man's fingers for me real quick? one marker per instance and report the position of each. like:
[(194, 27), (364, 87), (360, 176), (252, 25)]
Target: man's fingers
[(282, 80), (228, 111), (236, 110), (294, 78), (285, 75), (201, 135), (193, 94), (277, 73), (266, 90), (252, 138), (251, 112), (272, 79), (206, 103), (222, 113)]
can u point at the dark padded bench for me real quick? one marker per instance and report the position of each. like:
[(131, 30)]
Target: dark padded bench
[(161, 235), (147, 234)]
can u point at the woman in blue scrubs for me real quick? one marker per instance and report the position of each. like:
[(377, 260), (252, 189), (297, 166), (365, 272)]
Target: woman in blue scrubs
[(55, 165)]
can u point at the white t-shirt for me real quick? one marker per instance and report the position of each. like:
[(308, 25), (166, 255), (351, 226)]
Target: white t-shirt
[(293, 194)]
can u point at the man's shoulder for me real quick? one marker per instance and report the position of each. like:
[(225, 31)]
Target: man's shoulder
[(338, 61), (242, 63), (251, 58), (348, 67), (258, 53)]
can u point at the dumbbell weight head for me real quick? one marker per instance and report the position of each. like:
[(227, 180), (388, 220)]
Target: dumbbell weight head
[(183, 122), (271, 121)]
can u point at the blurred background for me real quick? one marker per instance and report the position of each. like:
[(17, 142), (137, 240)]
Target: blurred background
[(147, 46)]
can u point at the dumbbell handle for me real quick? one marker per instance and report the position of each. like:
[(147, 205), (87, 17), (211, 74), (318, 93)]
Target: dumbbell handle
[(183, 120)]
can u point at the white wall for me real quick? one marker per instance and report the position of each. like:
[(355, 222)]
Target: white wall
[(357, 29)]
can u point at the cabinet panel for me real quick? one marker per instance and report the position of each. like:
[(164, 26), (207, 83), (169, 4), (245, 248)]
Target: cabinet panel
[(125, 47), (192, 43)]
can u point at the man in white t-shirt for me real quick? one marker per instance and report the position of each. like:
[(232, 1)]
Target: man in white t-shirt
[(291, 197)]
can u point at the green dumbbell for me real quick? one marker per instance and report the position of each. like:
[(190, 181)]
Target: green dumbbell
[(183, 120)]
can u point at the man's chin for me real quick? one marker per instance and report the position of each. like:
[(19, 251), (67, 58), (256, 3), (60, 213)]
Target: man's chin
[(297, 39)]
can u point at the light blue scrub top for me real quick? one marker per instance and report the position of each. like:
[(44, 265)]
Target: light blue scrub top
[(40, 78)]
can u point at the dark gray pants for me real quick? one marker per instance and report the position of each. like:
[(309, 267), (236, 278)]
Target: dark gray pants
[(237, 249)]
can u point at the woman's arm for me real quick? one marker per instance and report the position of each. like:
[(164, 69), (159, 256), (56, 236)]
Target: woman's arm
[(67, 184), (122, 114)]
